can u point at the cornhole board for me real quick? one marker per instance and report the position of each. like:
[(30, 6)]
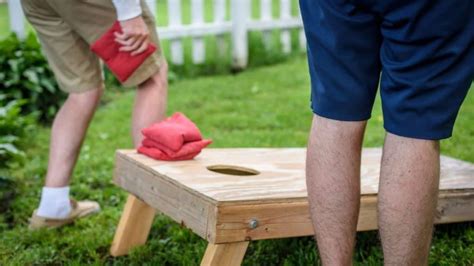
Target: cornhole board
[(230, 210)]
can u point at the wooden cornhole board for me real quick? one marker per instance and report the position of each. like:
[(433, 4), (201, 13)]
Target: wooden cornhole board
[(229, 211)]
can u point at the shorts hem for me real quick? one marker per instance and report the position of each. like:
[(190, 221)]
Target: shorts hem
[(340, 116), (82, 88), (415, 135), (146, 72)]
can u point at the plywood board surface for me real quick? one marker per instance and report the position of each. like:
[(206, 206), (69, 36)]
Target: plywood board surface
[(281, 175)]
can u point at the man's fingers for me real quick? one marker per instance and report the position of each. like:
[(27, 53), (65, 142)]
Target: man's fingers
[(121, 36), (133, 46), (141, 49), (131, 41), (135, 36)]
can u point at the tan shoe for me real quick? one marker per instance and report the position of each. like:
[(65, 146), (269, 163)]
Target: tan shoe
[(79, 209)]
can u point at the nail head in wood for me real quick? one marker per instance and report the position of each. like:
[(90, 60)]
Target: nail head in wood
[(253, 223)]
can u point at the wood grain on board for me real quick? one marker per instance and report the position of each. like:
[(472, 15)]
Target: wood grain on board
[(220, 207)]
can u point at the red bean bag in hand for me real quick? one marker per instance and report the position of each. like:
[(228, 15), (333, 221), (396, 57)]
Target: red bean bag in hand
[(187, 152), (173, 132), (121, 63)]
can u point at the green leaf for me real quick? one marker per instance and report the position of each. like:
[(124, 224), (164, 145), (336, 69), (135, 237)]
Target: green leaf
[(48, 85), (32, 76), (8, 139), (9, 147), (13, 65)]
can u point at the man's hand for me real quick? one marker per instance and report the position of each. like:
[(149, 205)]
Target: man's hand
[(134, 36)]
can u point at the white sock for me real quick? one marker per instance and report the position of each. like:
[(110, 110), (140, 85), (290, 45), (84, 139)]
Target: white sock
[(54, 203)]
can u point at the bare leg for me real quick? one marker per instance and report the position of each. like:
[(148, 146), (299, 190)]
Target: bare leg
[(150, 103), (71, 123), (69, 127), (408, 195), (137, 217), (333, 181)]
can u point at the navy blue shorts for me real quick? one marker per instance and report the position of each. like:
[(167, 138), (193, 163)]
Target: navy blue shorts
[(422, 51)]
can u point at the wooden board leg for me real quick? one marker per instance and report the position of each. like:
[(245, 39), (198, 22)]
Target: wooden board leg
[(134, 226), (230, 254)]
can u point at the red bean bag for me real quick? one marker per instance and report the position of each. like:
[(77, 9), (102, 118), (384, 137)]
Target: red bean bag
[(121, 63)]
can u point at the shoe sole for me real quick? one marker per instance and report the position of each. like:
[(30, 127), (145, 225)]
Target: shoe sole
[(83, 214)]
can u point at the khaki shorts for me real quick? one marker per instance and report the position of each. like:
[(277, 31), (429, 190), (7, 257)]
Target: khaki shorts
[(66, 29)]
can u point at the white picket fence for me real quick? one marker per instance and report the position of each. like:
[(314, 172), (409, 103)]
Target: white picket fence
[(239, 26)]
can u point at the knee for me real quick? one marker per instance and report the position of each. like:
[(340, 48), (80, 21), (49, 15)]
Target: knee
[(414, 143), (86, 100), (159, 80), (338, 128), (163, 69)]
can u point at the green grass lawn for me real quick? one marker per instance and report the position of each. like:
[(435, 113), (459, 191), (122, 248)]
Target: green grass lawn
[(262, 107)]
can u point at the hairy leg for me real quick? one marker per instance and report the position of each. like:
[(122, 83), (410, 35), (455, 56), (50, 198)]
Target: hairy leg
[(408, 194), (137, 217), (150, 103), (333, 181), (68, 131)]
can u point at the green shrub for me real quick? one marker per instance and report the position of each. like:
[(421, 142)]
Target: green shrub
[(7, 194), (25, 74), (13, 128)]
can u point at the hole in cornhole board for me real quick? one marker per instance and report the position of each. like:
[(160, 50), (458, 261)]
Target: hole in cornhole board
[(232, 170)]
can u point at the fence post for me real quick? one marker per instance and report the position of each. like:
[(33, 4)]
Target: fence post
[(240, 14), (17, 18), (219, 17), (302, 36), (285, 13), (174, 15), (197, 18), (266, 15)]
